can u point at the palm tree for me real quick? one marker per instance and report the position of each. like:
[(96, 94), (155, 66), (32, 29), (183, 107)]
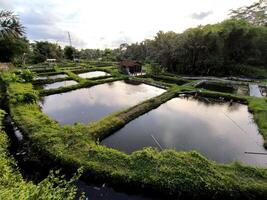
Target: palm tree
[(10, 25)]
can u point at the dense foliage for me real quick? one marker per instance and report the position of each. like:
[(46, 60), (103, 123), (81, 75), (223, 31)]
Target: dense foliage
[(70, 52), (13, 44), (255, 13), (10, 25), (230, 47), (44, 50), (13, 49)]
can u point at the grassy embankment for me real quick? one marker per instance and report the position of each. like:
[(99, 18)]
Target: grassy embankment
[(12, 184), (82, 82), (170, 172)]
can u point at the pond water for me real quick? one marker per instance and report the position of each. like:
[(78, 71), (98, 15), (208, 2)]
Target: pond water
[(93, 74), (226, 87), (90, 104), (56, 76), (96, 192), (59, 84), (221, 131)]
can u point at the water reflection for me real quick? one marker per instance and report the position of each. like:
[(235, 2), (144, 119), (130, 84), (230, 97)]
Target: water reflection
[(93, 74), (51, 77), (220, 131), (94, 192), (90, 104), (59, 84)]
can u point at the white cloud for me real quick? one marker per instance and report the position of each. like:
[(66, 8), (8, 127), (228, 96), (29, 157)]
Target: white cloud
[(201, 15), (106, 23)]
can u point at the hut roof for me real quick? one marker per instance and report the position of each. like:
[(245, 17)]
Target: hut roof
[(129, 63)]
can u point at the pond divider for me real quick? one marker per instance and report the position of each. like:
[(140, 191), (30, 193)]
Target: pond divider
[(179, 174)]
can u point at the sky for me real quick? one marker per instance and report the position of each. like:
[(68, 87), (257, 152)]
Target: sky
[(108, 23)]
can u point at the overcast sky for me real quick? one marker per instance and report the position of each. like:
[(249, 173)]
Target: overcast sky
[(108, 23)]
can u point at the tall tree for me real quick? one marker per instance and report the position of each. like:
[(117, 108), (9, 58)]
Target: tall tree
[(255, 13), (42, 50), (10, 25), (70, 52), (13, 44)]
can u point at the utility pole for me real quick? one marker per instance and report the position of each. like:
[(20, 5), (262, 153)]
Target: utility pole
[(69, 38), (74, 53)]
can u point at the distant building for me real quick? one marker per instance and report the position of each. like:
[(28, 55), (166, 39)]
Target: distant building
[(130, 67)]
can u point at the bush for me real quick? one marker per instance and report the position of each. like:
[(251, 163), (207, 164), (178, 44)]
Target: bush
[(20, 94), (27, 75)]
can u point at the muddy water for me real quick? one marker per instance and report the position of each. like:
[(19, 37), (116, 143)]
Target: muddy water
[(90, 104), (220, 131)]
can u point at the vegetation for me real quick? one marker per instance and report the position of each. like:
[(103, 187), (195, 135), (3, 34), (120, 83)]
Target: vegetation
[(44, 50), (232, 47), (178, 173), (13, 186), (10, 25), (255, 13), (13, 44), (236, 46), (70, 52)]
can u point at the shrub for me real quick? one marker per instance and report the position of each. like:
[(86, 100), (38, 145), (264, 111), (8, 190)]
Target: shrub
[(26, 75)]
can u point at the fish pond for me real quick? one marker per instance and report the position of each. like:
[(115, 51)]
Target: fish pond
[(225, 87), (221, 131), (93, 74), (59, 84), (56, 76), (90, 104)]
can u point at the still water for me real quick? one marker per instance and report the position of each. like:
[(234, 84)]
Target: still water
[(93, 74), (51, 77), (227, 87), (90, 104), (221, 131), (59, 84), (103, 192)]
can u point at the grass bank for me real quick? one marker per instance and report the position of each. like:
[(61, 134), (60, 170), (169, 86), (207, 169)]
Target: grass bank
[(13, 186), (180, 174)]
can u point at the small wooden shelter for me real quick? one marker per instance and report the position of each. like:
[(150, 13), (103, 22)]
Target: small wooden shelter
[(51, 60), (130, 67)]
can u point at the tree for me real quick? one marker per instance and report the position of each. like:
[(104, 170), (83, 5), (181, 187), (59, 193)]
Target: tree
[(10, 25), (255, 13), (90, 54), (13, 45), (226, 48), (45, 50), (13, 48), (70, 52)]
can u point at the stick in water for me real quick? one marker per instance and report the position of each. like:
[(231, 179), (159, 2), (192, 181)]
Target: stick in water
[(156, 141), (258, 153)]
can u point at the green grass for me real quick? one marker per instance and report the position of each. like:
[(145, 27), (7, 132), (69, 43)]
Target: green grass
[(13, 186), (168, 171), (170, 79)]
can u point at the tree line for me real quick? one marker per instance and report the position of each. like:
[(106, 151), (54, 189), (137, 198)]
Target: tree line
[(227, 47), (233, 46)]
